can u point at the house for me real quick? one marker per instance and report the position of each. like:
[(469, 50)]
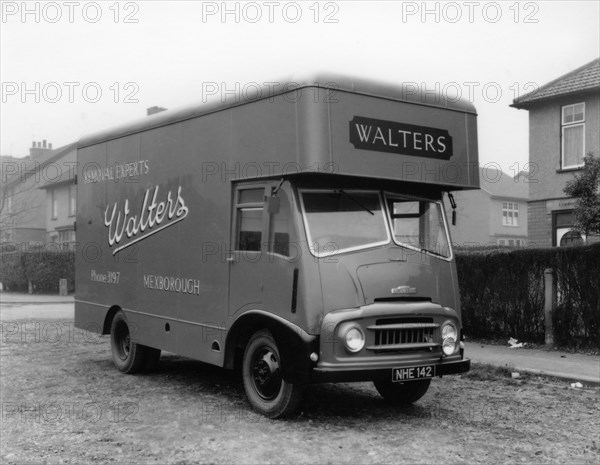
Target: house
[(61, 199), (564, 125), (495, 215), (37, 199), (22, 204), (38, 195)]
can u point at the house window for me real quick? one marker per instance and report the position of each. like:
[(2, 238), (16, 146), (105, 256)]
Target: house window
[(72, 200), (66, 236), (511, 242), (510, 213), (573, 135), (53, 205), (563, 223)]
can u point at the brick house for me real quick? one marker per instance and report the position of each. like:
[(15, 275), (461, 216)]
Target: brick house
[(37, 199), (60, 191), (22, 204), (495, 215), (564, 125)]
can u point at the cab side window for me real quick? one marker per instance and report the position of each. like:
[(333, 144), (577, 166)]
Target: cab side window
[(281, 226), (249, 210)]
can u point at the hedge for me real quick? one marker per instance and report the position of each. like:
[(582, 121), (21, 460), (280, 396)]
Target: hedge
[(502, 294), (43, 268)]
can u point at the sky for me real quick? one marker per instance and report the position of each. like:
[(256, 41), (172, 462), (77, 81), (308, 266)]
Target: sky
[(72, 68)]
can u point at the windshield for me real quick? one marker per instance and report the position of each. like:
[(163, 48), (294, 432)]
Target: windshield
[(419, 224), (344, 220), (341, 220)]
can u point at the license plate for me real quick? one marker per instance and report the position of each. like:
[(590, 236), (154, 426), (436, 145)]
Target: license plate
[(410, 373)]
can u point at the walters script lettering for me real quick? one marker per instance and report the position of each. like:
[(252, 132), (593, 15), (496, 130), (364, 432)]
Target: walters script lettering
[(125, 229)]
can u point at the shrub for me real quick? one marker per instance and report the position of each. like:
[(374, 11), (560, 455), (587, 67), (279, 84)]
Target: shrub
[(502, 294), (43, 268)]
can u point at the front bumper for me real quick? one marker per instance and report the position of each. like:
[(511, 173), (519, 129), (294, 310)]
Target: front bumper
[(387, 347), (344, 374)]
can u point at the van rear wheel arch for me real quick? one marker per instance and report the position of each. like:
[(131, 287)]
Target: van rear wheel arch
[(112, 311)]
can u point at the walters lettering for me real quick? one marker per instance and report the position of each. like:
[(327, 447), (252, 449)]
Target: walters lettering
[(153, 217), (407, 139)]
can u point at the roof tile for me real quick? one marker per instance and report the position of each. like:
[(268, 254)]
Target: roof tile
[(585, 78)]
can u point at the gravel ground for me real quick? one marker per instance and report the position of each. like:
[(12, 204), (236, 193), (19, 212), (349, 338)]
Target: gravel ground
[(64, 402)]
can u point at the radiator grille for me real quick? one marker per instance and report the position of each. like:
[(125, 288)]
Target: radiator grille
[(404, 336), (399, 336)]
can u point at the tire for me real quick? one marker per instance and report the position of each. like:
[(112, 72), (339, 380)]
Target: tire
[(402, 393), (267, 392), (128, 356)]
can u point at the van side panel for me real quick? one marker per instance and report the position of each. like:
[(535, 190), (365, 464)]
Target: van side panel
[(172, 277)]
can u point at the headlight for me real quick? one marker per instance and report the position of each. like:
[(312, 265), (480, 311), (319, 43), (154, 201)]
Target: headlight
[(449, 338), (353, 338), (449, 330)]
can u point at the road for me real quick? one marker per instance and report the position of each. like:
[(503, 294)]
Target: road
[(64, 402)]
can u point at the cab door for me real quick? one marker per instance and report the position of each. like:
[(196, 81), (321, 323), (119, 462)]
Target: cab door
[(246, 259), (265, 258), (281, 274)]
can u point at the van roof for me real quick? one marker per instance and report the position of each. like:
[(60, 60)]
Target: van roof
[(405, 92)]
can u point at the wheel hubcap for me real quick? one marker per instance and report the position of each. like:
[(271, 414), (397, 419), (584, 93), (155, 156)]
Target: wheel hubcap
[(265, 373)]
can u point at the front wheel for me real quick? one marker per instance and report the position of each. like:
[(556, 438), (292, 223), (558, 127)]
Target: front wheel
[(402, 393), (265, 388)]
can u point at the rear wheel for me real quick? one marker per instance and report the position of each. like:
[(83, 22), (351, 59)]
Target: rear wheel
[(129, 356), (402, 393), (268, 393)]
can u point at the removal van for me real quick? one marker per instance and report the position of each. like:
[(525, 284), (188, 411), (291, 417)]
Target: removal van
[(296, 231)]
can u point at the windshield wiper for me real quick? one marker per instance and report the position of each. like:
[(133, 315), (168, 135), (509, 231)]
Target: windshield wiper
[(356, 201)]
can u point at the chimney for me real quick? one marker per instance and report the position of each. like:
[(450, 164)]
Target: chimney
[(153, 110), (39, 150)]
